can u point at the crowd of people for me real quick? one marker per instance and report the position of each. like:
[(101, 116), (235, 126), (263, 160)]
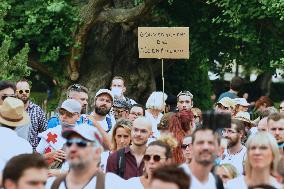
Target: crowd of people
[(166, 144)]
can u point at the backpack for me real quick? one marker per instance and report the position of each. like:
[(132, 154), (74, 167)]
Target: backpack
[(100, 184), (121, 162)]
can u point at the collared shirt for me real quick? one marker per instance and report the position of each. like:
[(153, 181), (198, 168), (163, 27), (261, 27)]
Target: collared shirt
[(38, 123), (131, 167)]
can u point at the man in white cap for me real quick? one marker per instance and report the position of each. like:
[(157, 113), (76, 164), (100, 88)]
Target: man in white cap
[(52, 142), (103, 103), (84, 148), (225, 105), (12, 115)]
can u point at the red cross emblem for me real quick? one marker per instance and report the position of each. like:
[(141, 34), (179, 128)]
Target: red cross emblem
[(51, 137)]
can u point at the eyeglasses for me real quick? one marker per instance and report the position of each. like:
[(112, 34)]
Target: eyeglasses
[(196, 116), (21, 91), (65, 112), (138, 114), (184, 146), (79, 142), (229, 131), (220, 106), (5, 96), (119, 111), (156, 158)]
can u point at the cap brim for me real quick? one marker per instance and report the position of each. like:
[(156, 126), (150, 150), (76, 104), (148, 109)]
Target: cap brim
[(225, 105), (67, 132), (24, 121)]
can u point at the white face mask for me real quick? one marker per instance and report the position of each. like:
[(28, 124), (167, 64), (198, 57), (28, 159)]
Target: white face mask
[(117, 91)]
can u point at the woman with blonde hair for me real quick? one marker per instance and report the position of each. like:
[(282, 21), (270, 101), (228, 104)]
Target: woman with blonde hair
[(260, 164), (158, 153), (226, 172), (121, 137)]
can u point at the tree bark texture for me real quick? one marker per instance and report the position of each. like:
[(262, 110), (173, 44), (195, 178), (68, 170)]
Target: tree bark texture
[(108, 47)]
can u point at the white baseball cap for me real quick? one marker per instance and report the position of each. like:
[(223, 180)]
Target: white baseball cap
[(86, 131), (105, 91), (72, 106), (241, 101)]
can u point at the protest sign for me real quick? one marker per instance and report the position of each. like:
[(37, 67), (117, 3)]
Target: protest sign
[(163, 42)]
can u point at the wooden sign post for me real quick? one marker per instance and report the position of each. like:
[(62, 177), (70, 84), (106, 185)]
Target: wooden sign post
[(163, 42)]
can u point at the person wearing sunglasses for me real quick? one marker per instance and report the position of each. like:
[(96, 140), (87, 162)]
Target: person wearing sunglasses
[(158, 153), (51, 141), (226, 172), (7, 89), (83, 148), (225, 105), (186, 147), (281, 107), (37, 115)]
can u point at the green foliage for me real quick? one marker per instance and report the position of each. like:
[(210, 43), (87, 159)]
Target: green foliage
[(47, 26), (14, 68)]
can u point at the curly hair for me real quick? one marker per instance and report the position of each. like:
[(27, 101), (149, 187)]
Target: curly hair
[(180, 125)]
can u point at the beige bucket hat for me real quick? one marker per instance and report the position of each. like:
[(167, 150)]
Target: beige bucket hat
[(12, 113)]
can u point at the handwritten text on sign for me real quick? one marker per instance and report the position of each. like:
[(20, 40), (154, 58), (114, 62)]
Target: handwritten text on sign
[(163, 42)]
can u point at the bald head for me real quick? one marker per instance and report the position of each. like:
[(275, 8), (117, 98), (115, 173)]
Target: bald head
[(262, 125), (142, 123)]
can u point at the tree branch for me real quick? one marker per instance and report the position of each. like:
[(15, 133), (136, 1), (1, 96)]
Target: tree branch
[(116, 15), (40, 67), (88, 13)]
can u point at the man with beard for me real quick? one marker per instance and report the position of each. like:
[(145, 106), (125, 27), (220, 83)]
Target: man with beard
[(235, 152), (84, 148), (128, 162), (205, 145), (37, 116), (103, 103), (275, 123), (184, 101), (77, 92)]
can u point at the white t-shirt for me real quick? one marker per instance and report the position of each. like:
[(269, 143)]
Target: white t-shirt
[(235, 160), (112, 181), (11, 145), (195, 183), (104, 157), (134, 182), (239, 183), (155, 122)]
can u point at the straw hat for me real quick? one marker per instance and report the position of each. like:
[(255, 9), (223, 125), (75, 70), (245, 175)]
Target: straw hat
[(12, 113), (244, 116)]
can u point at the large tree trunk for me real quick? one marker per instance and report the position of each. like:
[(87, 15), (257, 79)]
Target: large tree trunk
[(111, 50)]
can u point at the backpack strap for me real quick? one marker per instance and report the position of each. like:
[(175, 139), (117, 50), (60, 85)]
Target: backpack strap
[(218, 181), (109, 124), (121, 162), (100, 181), (57, 181)]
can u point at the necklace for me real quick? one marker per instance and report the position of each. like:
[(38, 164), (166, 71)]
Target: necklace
[(233, 154)]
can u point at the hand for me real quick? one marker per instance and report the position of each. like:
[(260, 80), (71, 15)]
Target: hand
[(95, 122), (58, 155), (54, 172)]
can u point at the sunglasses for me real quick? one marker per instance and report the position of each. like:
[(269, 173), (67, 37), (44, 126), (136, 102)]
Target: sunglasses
[(65, 112), (156, 158), (5, 96), (184, 146), (21, 91), (79, 142)]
